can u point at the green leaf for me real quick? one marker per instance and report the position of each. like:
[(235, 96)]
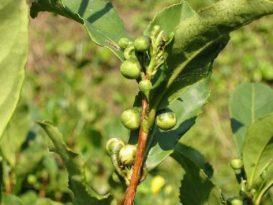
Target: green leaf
[(83, 194), (115, 128), (199, 39), (196, 157), (55, 6), (258, 150), (196, 187), (214, 22), (15, 133), (170, 17), (11, 200), (247, 103), (100, 19), (13, 55), (186, 108)]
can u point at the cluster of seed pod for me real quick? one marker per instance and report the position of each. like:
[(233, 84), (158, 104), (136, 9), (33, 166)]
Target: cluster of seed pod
[(122, 156), (130, 118), (143, 57)]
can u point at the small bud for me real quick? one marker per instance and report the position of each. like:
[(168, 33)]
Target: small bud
[(142, 44), (113, 146), (130, 69), (145, 86), (127, 154), (236, 164), (131, 118), (236, 202), (166, 120), (32, 179), (123, 43)]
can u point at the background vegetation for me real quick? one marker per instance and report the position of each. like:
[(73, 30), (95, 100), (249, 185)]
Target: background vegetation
[(77, 85)]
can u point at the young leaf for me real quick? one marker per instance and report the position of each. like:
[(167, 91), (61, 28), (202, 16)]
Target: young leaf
[(83, 194), (196, 187), (100, 19), (170, 17), (248, 102), (13, 55), (258, 150), (186, 108)]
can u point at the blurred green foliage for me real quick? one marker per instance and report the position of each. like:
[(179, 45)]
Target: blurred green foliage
[(77, 85)]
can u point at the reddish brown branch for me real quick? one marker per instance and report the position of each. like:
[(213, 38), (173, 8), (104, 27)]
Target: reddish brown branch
[(137, 169), (9, 184)]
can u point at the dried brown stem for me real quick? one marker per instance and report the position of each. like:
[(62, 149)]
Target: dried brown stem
[(137, 169)]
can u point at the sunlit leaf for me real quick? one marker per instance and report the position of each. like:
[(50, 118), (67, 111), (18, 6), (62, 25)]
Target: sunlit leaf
[(55, 6), (13, 55), (186, 108), (248, 102), (98, 17), (258, 150)]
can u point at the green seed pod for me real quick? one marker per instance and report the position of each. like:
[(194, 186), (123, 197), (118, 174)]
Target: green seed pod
[(145, 86), (236, 164), (166, 120), (32, 179), (113, 146), (236, 202), (130, 69), (142, 44), (127, 154), (130, 118), (123, 43)]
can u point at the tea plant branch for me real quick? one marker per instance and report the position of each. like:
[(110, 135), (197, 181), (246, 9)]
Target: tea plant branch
[(137, 168)]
